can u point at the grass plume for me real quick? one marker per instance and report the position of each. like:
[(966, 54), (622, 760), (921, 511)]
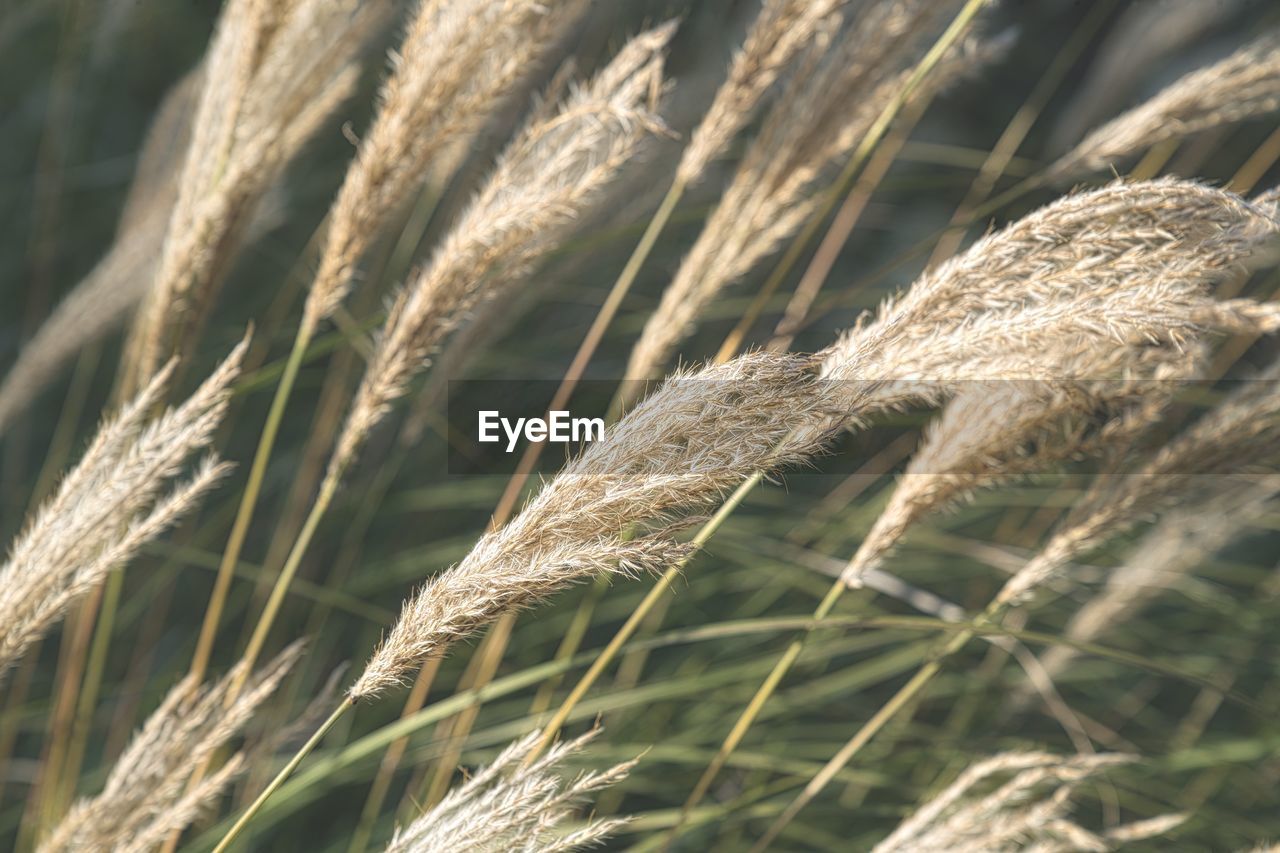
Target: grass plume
[(1242, 86), (110, 504), (681, 450), (273, 75), (509, 802), (146, 797), (840, 86), (1029, 811)]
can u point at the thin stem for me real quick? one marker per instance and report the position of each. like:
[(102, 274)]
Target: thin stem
[(346, 705), (637, 616), (327, 490), (390, 759), (869, 730), (89, 690), (751, 712), (248, 501)]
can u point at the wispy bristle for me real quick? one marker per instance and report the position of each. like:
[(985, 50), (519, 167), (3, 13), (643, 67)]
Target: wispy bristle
[(1244, 85), (555, 171), (109, 505), (507, 804), (681, 450), (146, 797)]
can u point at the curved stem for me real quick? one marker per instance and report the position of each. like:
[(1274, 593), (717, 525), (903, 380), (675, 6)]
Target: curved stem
[(248, 502), (327, 490), (749, 714), (347, 704)]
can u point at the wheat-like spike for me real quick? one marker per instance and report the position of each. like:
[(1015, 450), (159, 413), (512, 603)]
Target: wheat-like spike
[(457, 63), (1224, 445), (1244, 85), (273, 74), (109, 505), (548, 177), (146, 796), (508, 803), (1129, 263), (679, 452), (1176, 546), (995, 431), (1029, 812), (781, 31), (835, 95)]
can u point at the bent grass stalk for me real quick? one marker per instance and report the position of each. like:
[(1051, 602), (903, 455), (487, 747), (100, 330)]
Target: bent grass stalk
[(346, 705), (780, 31), (1236, 434), (637, 616), (496, 640)]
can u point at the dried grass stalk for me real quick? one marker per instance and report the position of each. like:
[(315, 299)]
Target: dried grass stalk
[(616, 508), (273, 75), (146, 797), (1233, 442), (1125, 264), (509, 804), (110, 505), (458, 62), (782, 30), (1028, 812), (1175, 547), (555, 171), (993, 432), (838, 90), (1244, 85)]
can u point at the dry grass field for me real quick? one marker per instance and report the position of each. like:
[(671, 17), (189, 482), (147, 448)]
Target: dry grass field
[(671, 425)]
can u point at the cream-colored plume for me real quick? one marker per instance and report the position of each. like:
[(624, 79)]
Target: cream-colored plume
[(1244, 85), (509, 804), (1031, 811), (273, 75), (111, 504), (147, 797)]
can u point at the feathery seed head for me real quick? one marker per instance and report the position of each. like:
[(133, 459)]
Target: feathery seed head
[(146, 797), (110, 504), (617, 507), (1130, 263), (547, 179), (507, 803), (456, 65), (1031, 810), (1244, 85)]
